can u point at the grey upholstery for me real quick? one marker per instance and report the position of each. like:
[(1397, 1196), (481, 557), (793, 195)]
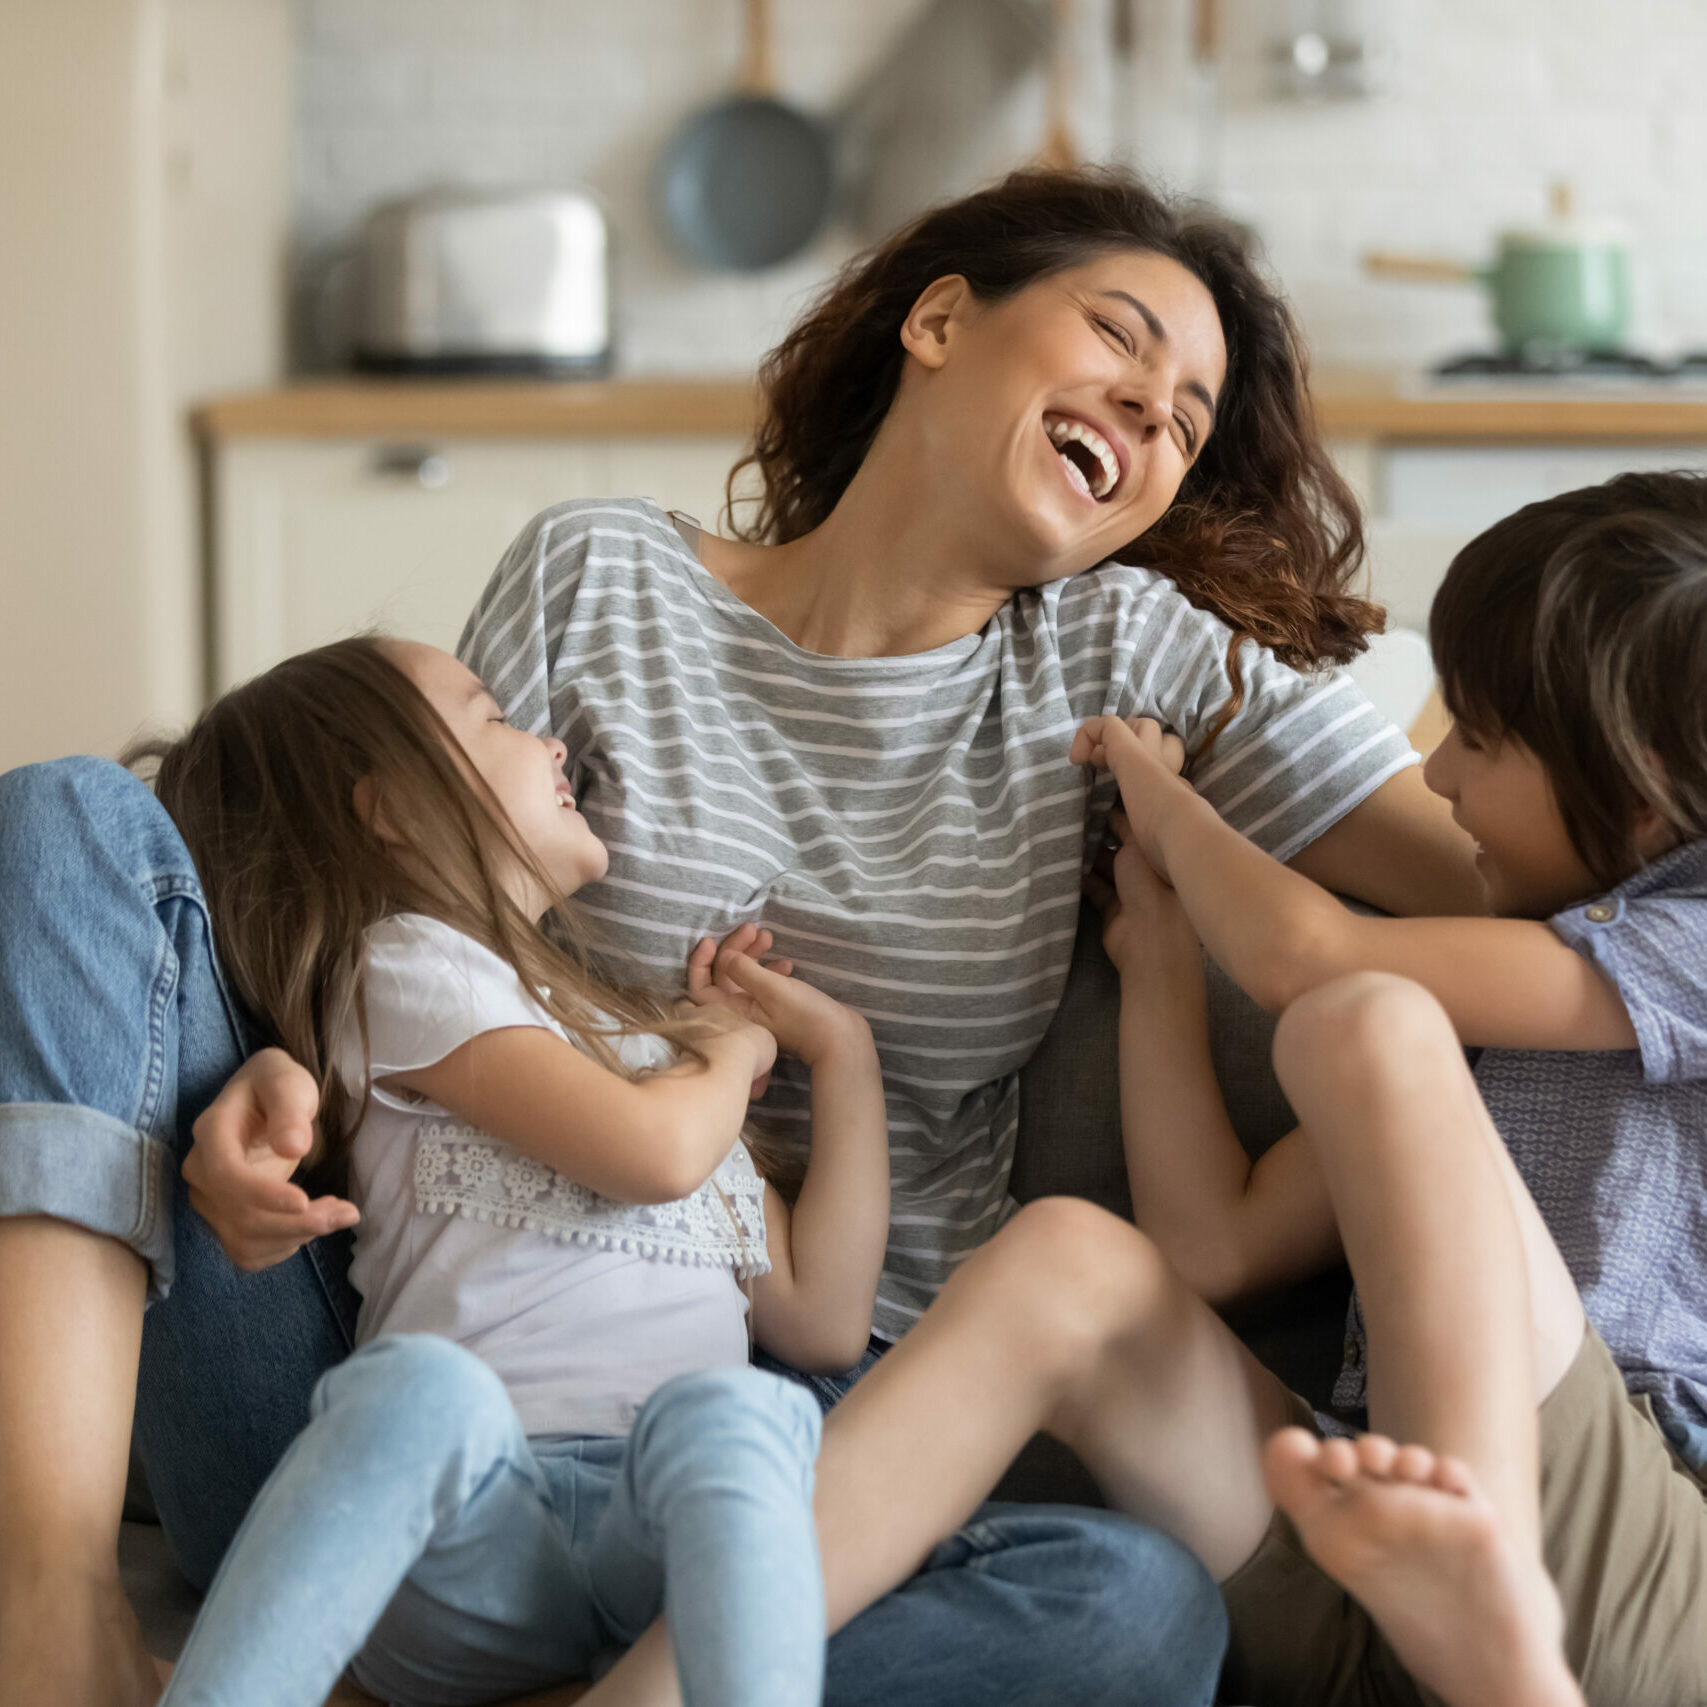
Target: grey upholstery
[(1069, 1142)]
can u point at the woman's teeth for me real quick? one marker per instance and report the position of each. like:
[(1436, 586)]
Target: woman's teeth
[(1099, 472)]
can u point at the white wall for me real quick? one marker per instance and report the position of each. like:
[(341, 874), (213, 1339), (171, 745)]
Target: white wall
[(142, 190), (1489, 99)]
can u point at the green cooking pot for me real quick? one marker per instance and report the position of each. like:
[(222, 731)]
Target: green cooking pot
[(1560, 286)]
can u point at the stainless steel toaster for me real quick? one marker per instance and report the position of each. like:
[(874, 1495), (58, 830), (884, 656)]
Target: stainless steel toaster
[(458, 280)]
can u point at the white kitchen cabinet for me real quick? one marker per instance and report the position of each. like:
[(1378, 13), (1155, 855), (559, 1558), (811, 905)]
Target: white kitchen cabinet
[(319, 538), (1425, 502)]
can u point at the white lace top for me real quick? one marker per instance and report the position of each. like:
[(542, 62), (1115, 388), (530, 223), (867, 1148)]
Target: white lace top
[(582, 1304)]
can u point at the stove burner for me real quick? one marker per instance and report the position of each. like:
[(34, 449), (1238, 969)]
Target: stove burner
[(1535, 363)]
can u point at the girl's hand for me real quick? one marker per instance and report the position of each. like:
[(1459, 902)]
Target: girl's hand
[(1146, 761), (804, 1021), (1145, 929), (247, 1143)]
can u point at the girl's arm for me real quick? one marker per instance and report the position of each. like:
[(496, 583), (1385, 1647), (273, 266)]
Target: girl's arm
[(640, 1141), (1505, 983), (814, 1307), (1229, 1226)]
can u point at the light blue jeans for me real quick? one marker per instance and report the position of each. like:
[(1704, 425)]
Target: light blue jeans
[(412, 1520), (117, 1029)]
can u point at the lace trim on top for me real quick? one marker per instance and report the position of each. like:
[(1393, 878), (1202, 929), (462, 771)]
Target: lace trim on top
[(459, 1170)]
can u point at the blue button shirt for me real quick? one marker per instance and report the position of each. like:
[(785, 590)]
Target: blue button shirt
[(1613, 1145)]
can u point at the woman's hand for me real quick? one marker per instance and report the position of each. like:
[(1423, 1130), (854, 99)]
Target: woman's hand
[(803, 1020), (246, 1145), (1146, 761), (1145, 930)]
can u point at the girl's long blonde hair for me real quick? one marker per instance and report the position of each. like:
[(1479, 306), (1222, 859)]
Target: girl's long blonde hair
[(276, 789)]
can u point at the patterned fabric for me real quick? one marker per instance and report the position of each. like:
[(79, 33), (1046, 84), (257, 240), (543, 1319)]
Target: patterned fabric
[(909, 827), (1613, 1145), (461, 1171)]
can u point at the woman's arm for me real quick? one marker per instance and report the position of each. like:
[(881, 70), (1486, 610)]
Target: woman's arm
[(814, 1307), (1506, 983), (1230, 1227), (640, 1141)]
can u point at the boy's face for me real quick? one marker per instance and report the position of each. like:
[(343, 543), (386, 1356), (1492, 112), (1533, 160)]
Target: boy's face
[(1502, 796)]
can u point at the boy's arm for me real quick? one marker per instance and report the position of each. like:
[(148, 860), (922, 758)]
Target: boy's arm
[(1229, 1227), (1505, 983)]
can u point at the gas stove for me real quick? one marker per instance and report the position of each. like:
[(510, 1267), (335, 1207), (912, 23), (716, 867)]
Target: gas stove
[(1572, 366)]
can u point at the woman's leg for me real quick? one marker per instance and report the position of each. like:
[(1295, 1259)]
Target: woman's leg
[(114, 1032)]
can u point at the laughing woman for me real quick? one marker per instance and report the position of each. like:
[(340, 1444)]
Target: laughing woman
[(1046, 454)]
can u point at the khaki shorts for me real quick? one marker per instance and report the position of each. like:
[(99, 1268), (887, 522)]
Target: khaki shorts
[(1625, 1537)]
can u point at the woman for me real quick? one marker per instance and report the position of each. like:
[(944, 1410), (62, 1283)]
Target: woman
[(852, 721)]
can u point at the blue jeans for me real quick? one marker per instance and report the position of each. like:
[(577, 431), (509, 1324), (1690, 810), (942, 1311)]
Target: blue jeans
[(117, 1029), (413, 1520)]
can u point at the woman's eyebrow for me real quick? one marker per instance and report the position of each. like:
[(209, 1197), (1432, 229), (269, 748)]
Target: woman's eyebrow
[(1160, 333)]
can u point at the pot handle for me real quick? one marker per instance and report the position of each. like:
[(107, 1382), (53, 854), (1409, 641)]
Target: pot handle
[(1430, 269)]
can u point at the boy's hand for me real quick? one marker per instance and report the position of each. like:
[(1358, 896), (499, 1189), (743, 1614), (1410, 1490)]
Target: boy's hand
[(246, 1145), (804, 1020), (1146, 761), (1145, 930)]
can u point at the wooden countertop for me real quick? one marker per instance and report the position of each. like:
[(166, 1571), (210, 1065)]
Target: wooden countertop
[(1349, 404)]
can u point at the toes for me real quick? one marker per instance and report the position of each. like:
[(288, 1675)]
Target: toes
[(1339, 1460), (1414, 1464), (1375, 1455), (1291, 1463), (1452, 1476)]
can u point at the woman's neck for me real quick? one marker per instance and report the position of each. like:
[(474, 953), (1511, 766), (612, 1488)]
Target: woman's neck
[(890, 571)]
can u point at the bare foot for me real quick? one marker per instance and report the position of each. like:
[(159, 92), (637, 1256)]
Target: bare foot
[(73, 1647), (1414, 1539)]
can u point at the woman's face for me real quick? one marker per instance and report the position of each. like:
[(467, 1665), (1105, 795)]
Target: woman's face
[(1069, 412)]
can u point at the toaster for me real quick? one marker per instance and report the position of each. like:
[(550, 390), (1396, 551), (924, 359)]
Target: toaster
[(460, 280)]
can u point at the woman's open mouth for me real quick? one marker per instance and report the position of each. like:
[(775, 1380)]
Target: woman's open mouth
[(1091, 464)]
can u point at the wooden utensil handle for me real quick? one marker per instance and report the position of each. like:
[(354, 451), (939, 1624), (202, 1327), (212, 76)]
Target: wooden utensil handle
[(758, 72), (1432, 268)]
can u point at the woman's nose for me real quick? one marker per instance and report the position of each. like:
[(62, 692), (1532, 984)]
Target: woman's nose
[(559, 753)]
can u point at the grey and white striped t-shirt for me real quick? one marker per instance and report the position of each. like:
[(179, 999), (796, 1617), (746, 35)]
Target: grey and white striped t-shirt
[(909, 827)]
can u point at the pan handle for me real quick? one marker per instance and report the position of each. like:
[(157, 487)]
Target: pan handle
[(1429, 269), (758, 70)]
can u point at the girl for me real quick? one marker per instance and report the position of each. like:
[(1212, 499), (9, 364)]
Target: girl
[(1532, 1313), (549, 1428)]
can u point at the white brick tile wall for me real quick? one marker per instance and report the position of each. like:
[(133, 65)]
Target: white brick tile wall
[(1485, 102)]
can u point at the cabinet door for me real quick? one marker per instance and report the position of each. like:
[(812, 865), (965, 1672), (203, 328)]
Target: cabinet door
[(319, 538)]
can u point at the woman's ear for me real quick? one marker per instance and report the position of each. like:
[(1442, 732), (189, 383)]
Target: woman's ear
[(929, 326)]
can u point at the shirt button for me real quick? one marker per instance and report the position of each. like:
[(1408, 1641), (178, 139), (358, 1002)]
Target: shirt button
[(1601, 913)]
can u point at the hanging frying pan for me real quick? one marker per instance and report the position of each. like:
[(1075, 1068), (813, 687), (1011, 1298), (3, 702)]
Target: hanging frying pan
[(749, 182)]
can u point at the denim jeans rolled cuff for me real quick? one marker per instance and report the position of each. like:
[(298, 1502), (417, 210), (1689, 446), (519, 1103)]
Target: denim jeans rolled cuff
[(88, 1168)]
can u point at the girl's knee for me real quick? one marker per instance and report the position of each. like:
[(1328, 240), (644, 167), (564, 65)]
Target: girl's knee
[(715, 1412), (419, 1387)]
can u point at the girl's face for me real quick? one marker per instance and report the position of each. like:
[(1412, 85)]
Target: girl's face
[(1068, 413), (1502, 796), (524, 771)]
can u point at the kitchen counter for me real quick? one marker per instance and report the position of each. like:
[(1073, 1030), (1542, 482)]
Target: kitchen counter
[(1368, 405)]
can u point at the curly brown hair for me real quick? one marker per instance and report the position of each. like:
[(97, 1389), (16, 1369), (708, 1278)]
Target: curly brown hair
[(1263, 534)]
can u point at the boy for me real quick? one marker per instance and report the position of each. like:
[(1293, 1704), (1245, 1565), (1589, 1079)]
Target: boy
[(1536, 1309)]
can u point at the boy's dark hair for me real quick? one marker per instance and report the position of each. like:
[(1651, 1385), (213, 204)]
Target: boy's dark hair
[(1578, 626)]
